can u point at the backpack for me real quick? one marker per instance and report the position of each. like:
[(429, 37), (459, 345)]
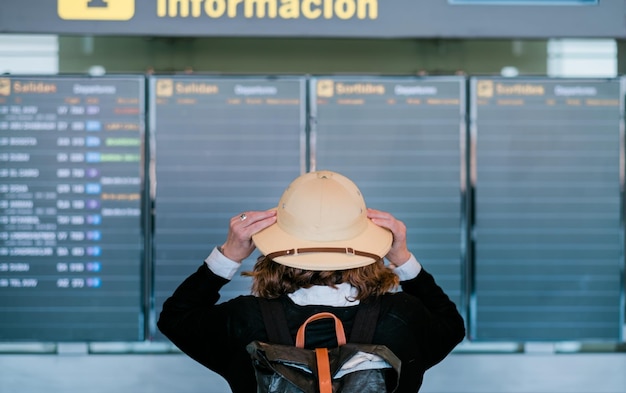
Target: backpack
[(282, 367)]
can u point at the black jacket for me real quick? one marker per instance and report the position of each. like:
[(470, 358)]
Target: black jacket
[(420, 325)]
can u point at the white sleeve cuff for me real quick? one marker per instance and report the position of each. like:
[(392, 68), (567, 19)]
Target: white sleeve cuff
[(220, 265), (409, 270)]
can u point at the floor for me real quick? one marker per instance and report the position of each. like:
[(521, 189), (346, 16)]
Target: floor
[(73, 372)]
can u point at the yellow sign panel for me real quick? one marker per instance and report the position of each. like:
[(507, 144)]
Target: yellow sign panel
[(325, 88), (484, 88), (5, 87), (96, 9), (164, 88)]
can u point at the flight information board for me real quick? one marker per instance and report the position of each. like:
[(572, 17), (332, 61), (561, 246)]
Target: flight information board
[(548, 236), (70, 208), (222, 146), (402, 141), (525, 2)]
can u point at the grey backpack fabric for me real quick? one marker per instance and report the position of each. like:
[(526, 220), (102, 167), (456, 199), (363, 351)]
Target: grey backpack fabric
[(282, 367)]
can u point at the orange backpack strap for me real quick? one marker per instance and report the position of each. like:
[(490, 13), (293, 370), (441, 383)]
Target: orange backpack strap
[(323, 370), (277, 328), (341, 335)]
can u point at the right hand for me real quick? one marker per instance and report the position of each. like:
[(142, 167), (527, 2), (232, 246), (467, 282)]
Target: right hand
[(239, 245), (399, 253)]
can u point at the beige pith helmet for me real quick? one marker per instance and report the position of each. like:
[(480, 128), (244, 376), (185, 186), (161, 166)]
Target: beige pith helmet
[(322, 224)]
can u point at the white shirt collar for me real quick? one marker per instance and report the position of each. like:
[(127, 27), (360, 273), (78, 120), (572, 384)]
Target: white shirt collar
[(341, 296)]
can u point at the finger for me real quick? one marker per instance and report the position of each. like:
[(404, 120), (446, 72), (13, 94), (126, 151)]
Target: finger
[(379, 215), (250, 217), (373, 213), (242, 230), (260, 224), (254, 216), (383, 219)]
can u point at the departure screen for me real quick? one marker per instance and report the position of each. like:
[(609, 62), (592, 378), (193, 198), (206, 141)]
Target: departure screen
[(70, 208), (548, 237), (223, 146), (402, 142)]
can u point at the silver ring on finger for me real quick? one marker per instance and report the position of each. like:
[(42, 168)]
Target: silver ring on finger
[(243, 216)]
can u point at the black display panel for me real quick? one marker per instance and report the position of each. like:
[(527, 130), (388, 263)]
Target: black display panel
[(70, 208), (222, 146), (402, 141), (548, 233), (525, 2)]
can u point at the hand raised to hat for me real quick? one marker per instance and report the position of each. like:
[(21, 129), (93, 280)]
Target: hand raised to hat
[(399, 252), (239, 245)]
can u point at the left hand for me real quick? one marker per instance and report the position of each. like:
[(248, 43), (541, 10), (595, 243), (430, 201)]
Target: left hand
[(399, 252), (239, 245)]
